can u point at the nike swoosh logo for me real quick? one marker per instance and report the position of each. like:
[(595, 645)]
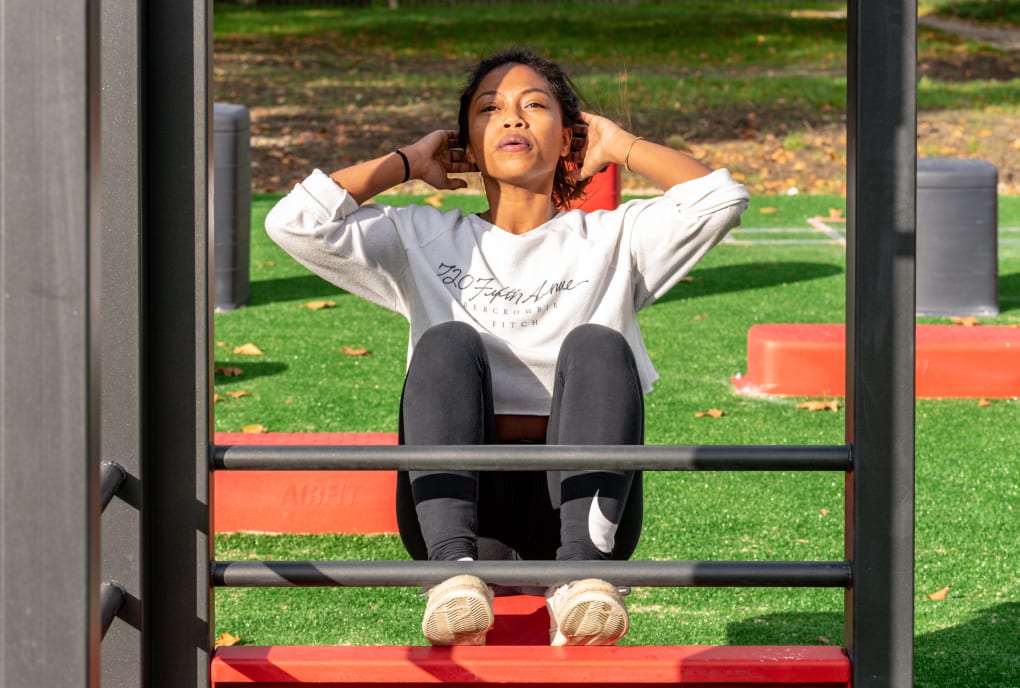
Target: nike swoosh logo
[(601, 530)]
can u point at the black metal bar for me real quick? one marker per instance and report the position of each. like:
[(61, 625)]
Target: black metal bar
[(881, 200), (111, 476), (532, 457), (533, 573), (111, 598)]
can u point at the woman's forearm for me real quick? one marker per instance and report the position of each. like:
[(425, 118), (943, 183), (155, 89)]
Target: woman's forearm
[(372, 177)]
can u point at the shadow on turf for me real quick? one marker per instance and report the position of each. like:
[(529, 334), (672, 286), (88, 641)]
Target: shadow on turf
[(291, 289), (788, 628), (1009, 292), (980, 652), (730, 278), (249, 370)]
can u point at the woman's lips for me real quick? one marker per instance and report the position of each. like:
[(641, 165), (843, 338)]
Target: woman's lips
[(514, 144)]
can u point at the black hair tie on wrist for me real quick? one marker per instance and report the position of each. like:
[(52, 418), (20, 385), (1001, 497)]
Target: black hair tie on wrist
[(407, 165)]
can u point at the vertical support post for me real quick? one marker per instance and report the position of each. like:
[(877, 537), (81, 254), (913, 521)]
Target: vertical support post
[(121, 290), (178, 122), (881, 189), (49, 366)]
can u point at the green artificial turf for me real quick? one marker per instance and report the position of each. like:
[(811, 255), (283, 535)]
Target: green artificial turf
[(968, 487)]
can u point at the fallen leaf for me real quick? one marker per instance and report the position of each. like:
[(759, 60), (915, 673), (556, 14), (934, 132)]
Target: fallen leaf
[(768, 211), (803, 541), (226, 640), (254, 429), (248, 349), (238, 394), (354, 351), (984, 402), (968, 321), (824, 641), (835, 214), (700, 316), (688, 278), (823, 512), (267, 264), (216, 398), (711, 413), (940, 595), (229, 371), (222, 345), (831, 405), (435, 200), (319, 305)]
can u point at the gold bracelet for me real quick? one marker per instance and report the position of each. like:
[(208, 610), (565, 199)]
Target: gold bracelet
[(626, 158)]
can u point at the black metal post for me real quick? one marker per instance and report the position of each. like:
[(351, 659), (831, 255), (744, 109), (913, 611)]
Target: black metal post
[(881, 191), (49, 364), (177, 120)]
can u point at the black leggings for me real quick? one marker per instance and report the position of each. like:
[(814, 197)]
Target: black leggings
[(452, 514)]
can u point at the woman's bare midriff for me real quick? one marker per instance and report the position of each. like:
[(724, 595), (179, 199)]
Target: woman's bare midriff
[(521, 428)]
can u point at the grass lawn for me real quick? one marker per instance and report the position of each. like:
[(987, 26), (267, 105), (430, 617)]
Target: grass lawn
[(968, 487)]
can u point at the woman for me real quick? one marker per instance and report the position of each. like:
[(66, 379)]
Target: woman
[(522, 324)]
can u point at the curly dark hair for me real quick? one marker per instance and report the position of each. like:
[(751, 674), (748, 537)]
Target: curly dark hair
[(565, 188)]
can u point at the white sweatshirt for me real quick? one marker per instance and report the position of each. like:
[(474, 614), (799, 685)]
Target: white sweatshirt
[(523, 293)]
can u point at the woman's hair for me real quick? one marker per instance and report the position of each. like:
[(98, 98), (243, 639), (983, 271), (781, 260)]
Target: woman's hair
[(565, 188)]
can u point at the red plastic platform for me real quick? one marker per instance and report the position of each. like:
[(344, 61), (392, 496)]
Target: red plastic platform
[(952, 361), (592, 667), (517, 652), (305, 501)]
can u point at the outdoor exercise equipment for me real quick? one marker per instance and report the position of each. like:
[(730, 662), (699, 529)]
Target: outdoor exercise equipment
[(950, 361), (106, 347)]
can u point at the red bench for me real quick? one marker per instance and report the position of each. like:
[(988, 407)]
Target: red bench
[(951, 361)]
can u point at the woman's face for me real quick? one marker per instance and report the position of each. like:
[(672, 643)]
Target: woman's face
[(515, 128)]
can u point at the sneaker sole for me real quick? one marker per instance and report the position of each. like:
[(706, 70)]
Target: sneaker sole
[(592, 615), (459, 612)]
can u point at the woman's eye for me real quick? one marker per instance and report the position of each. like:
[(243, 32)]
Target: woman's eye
[(487, 108)]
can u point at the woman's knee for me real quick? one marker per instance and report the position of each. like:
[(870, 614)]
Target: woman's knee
[(450, 339), (592, 341), (449, 347)]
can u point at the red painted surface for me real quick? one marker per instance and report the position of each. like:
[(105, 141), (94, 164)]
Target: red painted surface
[(952, 361), (305, 501), (603, 192), (729, 666)]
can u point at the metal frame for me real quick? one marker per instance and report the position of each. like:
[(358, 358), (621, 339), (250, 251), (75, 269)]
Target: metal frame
[(49, 343), (155, 386)]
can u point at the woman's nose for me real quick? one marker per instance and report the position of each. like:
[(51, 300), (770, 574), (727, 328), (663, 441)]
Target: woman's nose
[(513, 119)]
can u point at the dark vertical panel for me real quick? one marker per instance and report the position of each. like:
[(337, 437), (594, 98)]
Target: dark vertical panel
[(122, 352), (881, 188), (177, 122), (49, 434)]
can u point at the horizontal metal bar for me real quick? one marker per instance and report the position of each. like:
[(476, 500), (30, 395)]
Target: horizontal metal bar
[(818, 574), (111, 598), (111, 477), (531, 457)]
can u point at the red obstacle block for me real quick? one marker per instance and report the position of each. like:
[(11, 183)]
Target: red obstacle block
[(603, 192), (592, 667), (305, 501), (951, 361), (517, 652)]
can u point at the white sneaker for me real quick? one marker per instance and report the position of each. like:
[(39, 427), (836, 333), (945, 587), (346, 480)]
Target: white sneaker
[(459, 612), (586, 612)]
